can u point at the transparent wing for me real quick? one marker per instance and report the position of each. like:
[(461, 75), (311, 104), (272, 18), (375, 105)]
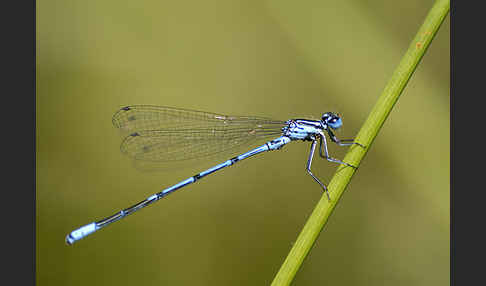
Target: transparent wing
[(155, 135)]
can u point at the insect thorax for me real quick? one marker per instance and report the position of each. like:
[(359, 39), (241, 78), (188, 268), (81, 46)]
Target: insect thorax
[(302, 129)]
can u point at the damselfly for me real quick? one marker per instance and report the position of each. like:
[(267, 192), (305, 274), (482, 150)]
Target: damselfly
[(156, 134)]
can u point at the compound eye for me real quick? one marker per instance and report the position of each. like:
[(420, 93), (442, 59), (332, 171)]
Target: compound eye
[(335, 122)]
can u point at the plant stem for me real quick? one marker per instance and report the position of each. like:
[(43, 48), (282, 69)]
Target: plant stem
[(366, 135)]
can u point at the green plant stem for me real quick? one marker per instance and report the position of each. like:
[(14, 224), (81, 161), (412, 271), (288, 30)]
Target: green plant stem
[(366, 135)]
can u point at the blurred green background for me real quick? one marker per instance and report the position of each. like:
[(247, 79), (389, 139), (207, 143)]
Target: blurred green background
[(280, 59)]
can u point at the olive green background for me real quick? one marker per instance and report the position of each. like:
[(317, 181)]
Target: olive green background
[(280, 59)]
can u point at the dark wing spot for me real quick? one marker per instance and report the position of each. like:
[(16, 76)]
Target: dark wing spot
[(146, 149)]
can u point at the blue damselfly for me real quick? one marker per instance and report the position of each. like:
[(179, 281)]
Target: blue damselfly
[(157, 134)]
